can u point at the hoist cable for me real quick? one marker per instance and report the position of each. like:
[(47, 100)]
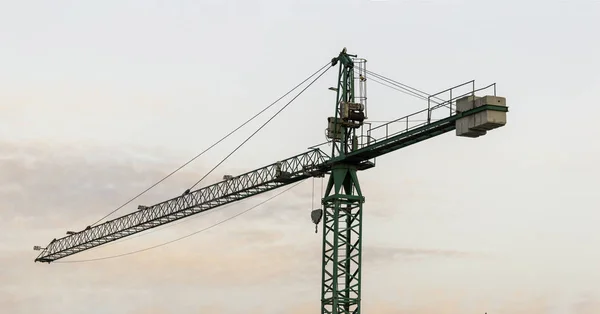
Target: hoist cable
[(322, 196), (313, 194), (213, 145)]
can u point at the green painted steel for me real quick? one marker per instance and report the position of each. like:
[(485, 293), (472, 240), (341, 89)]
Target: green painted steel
[(342, 245), (345, 93), (342, 202), (410, 137), (343, 199), (246, 185), (300, 167), (342, 217)]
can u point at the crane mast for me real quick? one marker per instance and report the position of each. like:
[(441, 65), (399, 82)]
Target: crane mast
[(342, 203)]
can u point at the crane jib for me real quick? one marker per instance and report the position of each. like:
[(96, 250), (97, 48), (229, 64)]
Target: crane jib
[(290, 170), (233, 189)]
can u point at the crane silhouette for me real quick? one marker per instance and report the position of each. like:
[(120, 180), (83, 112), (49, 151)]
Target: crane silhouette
[(354, 148)]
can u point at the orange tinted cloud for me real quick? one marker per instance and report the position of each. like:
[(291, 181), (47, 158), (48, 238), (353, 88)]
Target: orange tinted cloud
[(270, 267)]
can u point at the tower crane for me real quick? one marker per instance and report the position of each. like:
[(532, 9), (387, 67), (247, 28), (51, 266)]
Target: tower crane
[(355, 145)]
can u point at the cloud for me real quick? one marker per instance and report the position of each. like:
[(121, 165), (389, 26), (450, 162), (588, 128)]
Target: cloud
[(385, 254), (71, 186), (314, 307), (270, 253), (587, 304), (430, 301), (160, 310), (50, 187)]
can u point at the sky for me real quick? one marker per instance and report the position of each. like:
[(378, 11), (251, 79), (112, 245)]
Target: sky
[(100, 99)]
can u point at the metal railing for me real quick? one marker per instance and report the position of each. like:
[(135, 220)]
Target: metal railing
[(424, 117), (369, 135), (452, 99)]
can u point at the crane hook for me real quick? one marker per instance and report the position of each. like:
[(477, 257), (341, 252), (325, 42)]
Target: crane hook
[(316, 215)]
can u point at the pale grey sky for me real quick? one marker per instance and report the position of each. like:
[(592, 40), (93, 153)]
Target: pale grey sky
[(99, 99)]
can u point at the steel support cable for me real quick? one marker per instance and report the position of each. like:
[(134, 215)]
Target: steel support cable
[(210, 147), (186, 236), (400, 85), (257, 130), (411, 93), (426, 96), (403, 90)]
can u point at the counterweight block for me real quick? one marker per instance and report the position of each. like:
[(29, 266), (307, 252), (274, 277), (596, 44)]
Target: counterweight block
[(478, 123)]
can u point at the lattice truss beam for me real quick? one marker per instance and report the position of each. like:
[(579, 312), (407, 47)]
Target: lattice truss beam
[(342, 245), (237, 188)]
